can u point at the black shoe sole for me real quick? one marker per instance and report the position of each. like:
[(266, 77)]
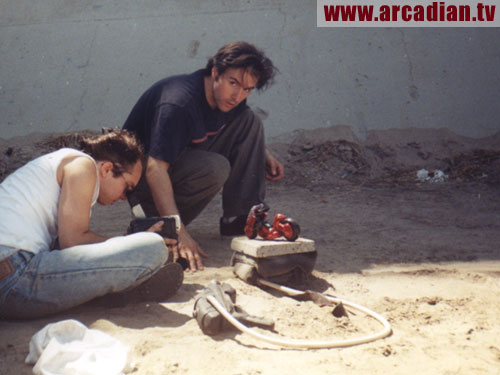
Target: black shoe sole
[(162, 285), (234, 228), (159, 288)]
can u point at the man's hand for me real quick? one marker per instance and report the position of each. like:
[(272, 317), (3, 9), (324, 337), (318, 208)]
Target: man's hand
[(189, 249), (274, 169)]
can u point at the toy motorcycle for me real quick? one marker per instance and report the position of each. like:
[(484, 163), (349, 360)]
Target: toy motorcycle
[(282, 226)]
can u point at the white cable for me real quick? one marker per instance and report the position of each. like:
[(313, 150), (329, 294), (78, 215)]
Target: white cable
[(292, 343)]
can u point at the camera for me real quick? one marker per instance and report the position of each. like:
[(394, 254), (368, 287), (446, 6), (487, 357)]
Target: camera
[(170, 229)]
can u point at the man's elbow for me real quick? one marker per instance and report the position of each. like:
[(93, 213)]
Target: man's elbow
[(70, 239), (156, 175), (64, 243), (155, 166)]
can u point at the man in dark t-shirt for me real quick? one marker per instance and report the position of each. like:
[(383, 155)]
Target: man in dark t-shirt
[(199, 135)]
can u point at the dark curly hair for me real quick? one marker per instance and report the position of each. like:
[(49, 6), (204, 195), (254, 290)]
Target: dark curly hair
[(120, 147), (244, 55)]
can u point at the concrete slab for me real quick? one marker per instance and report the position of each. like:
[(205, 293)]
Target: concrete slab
[(259, 248)]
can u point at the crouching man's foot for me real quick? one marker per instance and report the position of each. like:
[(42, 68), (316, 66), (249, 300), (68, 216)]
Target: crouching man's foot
[(234, 226)]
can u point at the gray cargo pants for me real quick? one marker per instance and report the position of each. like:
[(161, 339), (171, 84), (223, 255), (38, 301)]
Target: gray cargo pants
[(234, 158)]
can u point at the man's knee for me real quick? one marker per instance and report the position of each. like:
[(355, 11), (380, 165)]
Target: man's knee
[(148, 248), (218, 168), (200, 173)]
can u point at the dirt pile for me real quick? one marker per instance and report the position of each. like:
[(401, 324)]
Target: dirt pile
[(332, 156), (336, 156)]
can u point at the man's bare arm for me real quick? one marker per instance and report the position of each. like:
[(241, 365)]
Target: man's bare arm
[(162, 191), (78, 179)]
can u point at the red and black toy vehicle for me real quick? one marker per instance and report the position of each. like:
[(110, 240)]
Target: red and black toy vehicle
[(282, 226)]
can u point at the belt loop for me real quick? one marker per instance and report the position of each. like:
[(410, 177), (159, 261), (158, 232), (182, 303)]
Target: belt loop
[(6, 268)]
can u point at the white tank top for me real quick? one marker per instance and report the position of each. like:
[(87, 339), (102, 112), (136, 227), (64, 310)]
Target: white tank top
[(29, 200)]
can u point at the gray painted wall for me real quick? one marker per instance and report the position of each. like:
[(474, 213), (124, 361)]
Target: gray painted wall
[(78, 64)]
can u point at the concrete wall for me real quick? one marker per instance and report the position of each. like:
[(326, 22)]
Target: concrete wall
[(79, 64)]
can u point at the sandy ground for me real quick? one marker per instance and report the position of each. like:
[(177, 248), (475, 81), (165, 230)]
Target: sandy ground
[(424, 255)]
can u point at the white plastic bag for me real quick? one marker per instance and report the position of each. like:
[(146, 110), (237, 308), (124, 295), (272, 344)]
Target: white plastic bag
[(70, 348)]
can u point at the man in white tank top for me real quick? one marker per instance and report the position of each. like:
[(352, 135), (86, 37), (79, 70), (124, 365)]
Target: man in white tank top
[(48, 201)]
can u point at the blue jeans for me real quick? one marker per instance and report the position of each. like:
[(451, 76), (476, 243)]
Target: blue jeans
[(53, 281)]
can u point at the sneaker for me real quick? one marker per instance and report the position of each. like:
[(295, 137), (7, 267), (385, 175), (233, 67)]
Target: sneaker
[(159, 288), (235, 227)]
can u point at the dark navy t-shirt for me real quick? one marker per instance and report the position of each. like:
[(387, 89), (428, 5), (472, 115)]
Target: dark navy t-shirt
[(173, 114)]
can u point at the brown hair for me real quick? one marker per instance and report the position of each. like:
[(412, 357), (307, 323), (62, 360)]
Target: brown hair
[(244, 55), (120, 147)]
